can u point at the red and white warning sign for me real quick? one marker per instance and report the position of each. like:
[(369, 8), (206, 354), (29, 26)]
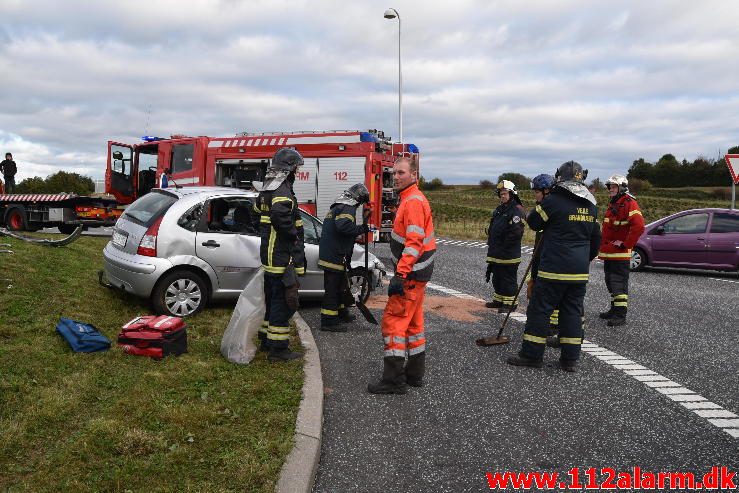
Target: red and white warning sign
[(732, 161)]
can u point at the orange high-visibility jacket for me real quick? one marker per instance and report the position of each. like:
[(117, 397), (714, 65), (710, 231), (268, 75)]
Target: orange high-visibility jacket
[(412, 242), (623, 222)]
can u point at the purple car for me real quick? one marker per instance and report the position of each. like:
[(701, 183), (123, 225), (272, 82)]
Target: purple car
[(694, 239)]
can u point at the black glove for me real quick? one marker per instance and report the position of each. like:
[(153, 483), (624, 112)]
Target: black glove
[(300, 260), (396, 286), (489, 273)]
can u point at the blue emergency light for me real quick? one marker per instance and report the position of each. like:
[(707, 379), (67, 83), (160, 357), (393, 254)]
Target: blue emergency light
[(149, 138), (413, 148), (367, 137)]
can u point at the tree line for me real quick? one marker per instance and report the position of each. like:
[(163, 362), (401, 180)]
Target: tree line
[(668, 172), (59, 182)]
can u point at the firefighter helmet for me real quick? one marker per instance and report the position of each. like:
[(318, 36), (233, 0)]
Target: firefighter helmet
[(286, 160), (621, 181), (506, 185), (284, 163), (355, 195), (570, 171), (542, 182)]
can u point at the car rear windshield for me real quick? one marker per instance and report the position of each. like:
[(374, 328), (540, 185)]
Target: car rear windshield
[(149, 208)]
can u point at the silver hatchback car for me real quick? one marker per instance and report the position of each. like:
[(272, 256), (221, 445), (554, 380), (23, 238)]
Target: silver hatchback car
[(182, 247)]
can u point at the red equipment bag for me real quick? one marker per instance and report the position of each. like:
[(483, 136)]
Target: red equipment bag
[(154, 336)]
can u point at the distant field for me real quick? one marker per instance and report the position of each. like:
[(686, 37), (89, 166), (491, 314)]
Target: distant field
[(463, 211)]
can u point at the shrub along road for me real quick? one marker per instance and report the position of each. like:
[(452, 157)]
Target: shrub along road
[(479, 415)]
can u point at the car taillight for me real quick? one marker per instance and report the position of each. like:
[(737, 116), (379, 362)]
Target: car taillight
[(148, 243)]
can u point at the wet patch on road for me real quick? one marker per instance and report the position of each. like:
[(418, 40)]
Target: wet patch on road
[(448, 307)]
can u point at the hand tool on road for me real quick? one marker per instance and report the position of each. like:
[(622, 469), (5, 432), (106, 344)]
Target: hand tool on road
[(499, 339)]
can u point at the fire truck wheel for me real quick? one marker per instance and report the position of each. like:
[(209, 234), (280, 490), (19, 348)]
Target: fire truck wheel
[(359, 282), (15, 218), (180, 293)]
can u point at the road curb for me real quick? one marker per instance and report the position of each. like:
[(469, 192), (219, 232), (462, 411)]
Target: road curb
[(299, 470)]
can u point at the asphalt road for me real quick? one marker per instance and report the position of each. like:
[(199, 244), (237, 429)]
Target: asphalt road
[(661, 393)]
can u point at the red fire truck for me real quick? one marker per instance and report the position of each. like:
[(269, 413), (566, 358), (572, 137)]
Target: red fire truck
[(334, 160)]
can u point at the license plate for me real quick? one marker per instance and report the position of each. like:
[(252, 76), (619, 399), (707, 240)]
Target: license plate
[(119, 240)]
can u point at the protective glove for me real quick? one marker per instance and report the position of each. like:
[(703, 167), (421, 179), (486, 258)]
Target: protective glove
[(299, 260), (489, 273), (396, 286), (366, 212), (529, 288)]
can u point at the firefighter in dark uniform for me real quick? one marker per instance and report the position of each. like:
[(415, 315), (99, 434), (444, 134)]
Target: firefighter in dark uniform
[(622, 227), (338, 234), (504, 247), (541, 185), (570, 240), (281, 231)]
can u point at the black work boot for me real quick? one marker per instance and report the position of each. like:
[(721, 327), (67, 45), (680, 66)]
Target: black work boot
[(415, 369), (618, 318), (519, 360), (568, 365), (346, 317), (332, 325), (281, 355), (608, 314), (393, 377), (505, 308), (493, 304), (263, 342), (616, 321)]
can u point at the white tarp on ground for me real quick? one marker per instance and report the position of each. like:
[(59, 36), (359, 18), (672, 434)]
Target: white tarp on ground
[(237, 344)]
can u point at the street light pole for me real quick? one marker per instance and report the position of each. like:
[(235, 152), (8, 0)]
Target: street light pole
[(391, 13)]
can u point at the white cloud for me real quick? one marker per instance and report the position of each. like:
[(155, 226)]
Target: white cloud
[(488, 86)]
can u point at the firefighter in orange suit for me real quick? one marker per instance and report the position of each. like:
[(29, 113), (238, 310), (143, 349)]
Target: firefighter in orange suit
[(412, 246), (622, 227)]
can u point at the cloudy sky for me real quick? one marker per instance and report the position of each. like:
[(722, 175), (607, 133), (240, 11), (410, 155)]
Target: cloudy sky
[(489, 86)]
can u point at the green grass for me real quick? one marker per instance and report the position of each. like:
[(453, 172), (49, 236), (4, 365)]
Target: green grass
[(463, 211), (114, 422)]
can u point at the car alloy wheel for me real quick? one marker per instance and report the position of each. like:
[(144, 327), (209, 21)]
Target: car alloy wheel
[(637, 260), (183, 297), (180, 293)]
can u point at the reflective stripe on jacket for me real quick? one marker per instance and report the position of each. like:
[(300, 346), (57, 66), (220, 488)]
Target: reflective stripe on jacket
[(623, 222), (281, 230), (412, 242), (338, 234), (570, 237), (504, 234)]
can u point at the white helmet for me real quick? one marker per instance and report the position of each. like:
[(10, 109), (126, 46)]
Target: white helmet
[(507, 185), (620, 180)]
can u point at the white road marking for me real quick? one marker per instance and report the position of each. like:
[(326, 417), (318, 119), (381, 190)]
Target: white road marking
[(702, 407), (723, 280)]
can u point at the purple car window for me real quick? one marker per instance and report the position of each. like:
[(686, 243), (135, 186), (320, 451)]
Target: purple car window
[(688, 224), (725, 223)]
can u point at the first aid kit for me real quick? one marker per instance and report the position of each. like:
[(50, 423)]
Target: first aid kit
[(154, 336)]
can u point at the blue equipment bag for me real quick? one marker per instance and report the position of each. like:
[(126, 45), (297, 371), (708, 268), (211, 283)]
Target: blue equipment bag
[(82, 337)]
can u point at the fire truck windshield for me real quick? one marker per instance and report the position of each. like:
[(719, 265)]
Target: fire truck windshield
[(147, 157)]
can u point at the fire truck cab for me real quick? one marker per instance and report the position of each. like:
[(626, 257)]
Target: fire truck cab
[(334, 160)]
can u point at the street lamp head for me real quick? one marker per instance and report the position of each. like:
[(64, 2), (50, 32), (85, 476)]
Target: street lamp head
[(390, 14)]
